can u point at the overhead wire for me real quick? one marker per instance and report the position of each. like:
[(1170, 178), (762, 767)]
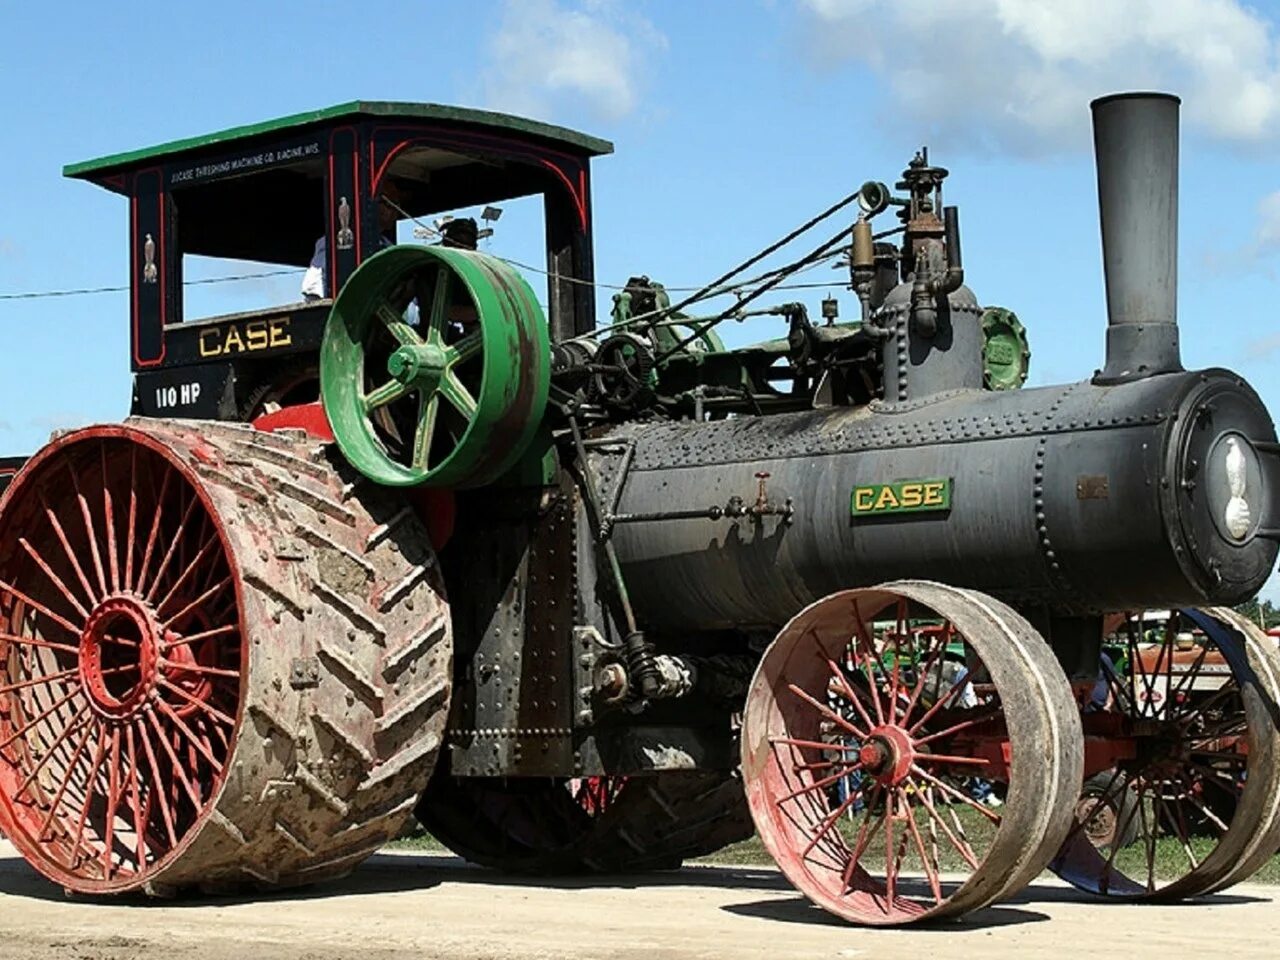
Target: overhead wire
[(86, 291), (717, 288)]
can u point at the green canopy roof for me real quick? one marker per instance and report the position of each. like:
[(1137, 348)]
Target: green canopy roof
[(569, 140)]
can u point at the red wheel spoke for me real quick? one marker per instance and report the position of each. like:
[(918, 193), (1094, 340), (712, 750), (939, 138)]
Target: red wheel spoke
[(158, 784), (809, 744), (197, 702), (90, 790), (864, 635), (825, 782), (39, 681), (194, 740), (890, 869), (930, 662), (849, 693), (135, 789), (155, 530), (70, 730), (222, 631), (130, 531), (53, 577), (941, 703), (978, 721), (41, 608), (114, 789), (109, 512), (865, 833), (201, 668), (178, 538), (192, 793), (830, 821), (42, 717), (90, 534), (71, 768), (213, 542), (961, 843), (826, 711), (954, 793), (66, 546), (959, 761), (198, 601), (900, 630)]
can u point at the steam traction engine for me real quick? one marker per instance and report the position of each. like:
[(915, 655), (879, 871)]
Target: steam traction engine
[(853, 567)]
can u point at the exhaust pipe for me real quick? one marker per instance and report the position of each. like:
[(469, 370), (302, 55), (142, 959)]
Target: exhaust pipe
[(1135, 140)]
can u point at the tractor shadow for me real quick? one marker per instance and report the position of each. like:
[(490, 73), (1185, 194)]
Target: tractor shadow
[(1010, 912), (397, 873)]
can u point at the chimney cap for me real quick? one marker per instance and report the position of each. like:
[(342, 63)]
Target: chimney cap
[(1135, 95)]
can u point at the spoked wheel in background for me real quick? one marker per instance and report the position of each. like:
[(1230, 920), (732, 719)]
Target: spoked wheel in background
[(892, 786), (1195, 787), (207, 676), (435, 367), (538, 825)]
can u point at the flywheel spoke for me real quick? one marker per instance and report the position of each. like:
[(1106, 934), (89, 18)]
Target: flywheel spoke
[(394, 322)]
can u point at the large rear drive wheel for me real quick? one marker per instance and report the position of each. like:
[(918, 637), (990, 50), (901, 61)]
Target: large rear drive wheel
[(220, 661), (893, 783)]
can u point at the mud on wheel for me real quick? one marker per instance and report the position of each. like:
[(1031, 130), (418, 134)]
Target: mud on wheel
[(893, 783), (219, 662)]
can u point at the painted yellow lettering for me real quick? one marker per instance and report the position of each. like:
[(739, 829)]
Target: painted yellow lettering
[(886, 500), (863, 499), (234, 343), (912, 495), (256, 335), (933, 494), (210, 347), (280, 336)]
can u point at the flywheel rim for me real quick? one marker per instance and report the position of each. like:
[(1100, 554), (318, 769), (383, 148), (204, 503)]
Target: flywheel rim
[(390, 387)]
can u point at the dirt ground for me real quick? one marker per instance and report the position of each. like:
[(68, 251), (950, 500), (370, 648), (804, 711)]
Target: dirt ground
[(425, 905)]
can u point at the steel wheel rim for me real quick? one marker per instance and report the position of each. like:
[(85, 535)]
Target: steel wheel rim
[(1201, 793), (910, 769), (121, 659)]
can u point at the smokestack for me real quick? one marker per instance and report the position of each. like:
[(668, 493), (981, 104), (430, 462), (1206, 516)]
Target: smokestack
[(1135, 140)]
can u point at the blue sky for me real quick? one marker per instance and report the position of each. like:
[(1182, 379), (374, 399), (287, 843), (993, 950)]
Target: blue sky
[(733, 121)]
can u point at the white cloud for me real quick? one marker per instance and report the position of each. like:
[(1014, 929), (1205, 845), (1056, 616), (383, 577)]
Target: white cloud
[(1017, 74), (547, 54)]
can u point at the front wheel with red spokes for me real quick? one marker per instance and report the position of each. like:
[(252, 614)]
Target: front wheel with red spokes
[(910, 752)]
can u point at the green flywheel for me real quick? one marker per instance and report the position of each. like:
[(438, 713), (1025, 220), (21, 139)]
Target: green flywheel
[(435, 367)]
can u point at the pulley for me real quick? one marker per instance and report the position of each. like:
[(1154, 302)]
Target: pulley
[(435, 367)]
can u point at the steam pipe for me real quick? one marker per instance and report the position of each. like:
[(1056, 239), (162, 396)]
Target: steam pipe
[(1136, 147)]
